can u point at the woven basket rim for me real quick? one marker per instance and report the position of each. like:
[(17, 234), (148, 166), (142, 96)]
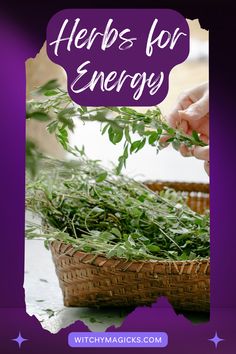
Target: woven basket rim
[(202, 187), (72, 252)]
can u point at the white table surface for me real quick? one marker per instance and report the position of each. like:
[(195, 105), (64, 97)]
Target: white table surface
[(43, 296)]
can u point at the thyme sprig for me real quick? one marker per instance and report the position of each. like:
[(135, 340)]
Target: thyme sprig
[(122, 124)]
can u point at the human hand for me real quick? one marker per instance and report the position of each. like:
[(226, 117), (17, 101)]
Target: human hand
[(202, 153), (192, 114)]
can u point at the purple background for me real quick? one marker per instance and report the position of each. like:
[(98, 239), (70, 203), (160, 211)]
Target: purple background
[(133, 60), (21, 37)]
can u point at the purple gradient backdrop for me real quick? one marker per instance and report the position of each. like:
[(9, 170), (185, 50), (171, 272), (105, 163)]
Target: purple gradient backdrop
[(184, 337)]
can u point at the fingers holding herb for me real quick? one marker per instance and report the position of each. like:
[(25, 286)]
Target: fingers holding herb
[(191, 117), (207, 167), (185, 151), (191, 106), (201, 153)]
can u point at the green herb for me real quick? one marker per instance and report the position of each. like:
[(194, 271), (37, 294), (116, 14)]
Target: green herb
[(33, 156), (122, 124), (94, 320), (50, 313), (96, 211)]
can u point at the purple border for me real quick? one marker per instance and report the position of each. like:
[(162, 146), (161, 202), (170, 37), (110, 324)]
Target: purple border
[(184, 337)]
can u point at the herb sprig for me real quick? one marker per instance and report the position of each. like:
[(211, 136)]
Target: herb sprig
[(122, 124)]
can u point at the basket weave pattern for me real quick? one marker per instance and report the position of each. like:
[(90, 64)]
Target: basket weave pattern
[(89, 280)]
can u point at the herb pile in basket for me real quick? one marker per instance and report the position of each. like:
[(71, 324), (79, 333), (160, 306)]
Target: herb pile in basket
[(95, 210)]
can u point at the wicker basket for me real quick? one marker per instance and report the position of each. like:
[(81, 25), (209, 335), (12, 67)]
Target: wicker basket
[(93, 280)]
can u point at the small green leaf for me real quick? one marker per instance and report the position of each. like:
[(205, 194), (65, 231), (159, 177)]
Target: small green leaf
[(131, 240), (183, 256), (41, 116), (115, 134), (50, 85), (127, 135), (111, 252), (126, 153), (153, 138), (114, 109), (106, 236), (137, 145), (65, 117), (121, 251), (116, 232), (141, 128), (52, 127), (120, 164), (101, 177), (170, 140), (134, 145), (135, 212), (63, 133), (170, 130), (195, 136), (105, 128), (153, 248), (84, 108), (62, 137), (51, 93), (128, 110)]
